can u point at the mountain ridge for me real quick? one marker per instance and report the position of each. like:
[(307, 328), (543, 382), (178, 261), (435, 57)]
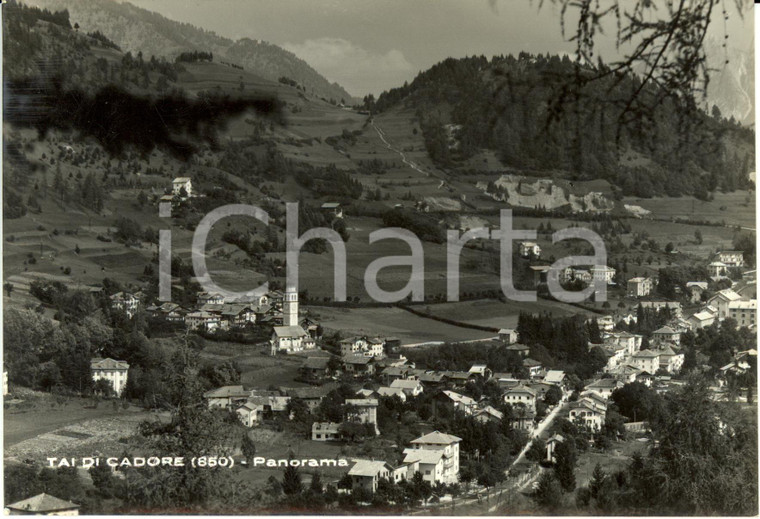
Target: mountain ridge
[(135, 29)]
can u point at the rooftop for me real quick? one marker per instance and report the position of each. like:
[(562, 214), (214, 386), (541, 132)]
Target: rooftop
[(108, 363), (368, 468), (42, 503), (289, 331), (437, 438)]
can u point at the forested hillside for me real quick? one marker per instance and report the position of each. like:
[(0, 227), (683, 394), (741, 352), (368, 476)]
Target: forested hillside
[(135, 29), (529, 110)]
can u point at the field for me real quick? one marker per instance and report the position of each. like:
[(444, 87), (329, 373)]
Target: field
[(279, 445), (392, 322), (497, 314), (737, 208), (258, 368), (46, 426), (616, 459)]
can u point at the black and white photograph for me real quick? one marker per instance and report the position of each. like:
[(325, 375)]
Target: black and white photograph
[(379, 257)]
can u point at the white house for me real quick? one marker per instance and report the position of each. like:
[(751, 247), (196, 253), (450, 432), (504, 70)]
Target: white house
[(391, 392), (588, 412), (42, 504), (604, 387), (671, 361), (369, 346), (290, 339), (411, 387), (209, 298), (717, 269), (180, 183), (667, 334), (367, 474), (461, 402), (521, 394), (333, 209), (114, 371), (646, 360), (203, 320), (325, 431), (508, 335), (603, 273), (251, 412), (702, 319), (228, 397), (438, 455), (126, 302), (732, 258), (640, 287), (529, 248), (722, 300), (362, 410)]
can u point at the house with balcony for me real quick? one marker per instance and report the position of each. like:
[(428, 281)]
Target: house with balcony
[(438, 457)]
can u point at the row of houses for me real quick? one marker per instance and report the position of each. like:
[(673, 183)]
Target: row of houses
[(434, 455), (726, 304)]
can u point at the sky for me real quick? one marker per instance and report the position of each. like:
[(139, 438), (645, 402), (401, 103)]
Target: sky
[(369, 46)]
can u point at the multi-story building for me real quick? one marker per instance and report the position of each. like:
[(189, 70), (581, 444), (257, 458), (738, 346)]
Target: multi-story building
[(674, 306), (290, 339), (521, 395), (589, 412), (366, 474), (114, 371), (369, 346), (722, 300), (126, 302), (362, 410), (203, 320), (640, 287), (209, 298), (180, 183), (603, 273), (227, 397), (325, 431), (731, 258), (743, 312), (646, 360), (438, 456), (667, 334)]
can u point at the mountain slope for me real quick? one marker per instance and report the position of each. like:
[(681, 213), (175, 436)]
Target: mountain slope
[(527, 110), (135, 29), (732, 84)]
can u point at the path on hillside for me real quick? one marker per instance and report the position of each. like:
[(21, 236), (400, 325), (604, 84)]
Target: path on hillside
[(381, 134)]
